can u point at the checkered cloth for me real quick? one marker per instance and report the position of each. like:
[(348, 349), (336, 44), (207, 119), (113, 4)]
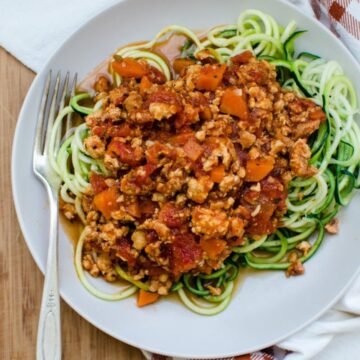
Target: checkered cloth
[(342, 17), (273, 353), (339, 14)]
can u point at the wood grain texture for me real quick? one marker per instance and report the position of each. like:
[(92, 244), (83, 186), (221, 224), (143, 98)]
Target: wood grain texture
[(20, 280)]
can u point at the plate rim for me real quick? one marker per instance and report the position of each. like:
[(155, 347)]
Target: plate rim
[(27, 236)]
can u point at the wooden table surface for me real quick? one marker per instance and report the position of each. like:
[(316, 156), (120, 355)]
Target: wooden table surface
[(20, 280)]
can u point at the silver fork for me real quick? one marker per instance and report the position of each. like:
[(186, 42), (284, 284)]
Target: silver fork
[(49, 330)]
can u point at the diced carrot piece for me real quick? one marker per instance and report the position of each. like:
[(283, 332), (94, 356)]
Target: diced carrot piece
[(146, 298), (180, 64), (193, 150), (234, 103), (181, 139), (210, 77), (129, 68), (217, 173), (257, 169), (105, 201), (145, 84), (212, 247)]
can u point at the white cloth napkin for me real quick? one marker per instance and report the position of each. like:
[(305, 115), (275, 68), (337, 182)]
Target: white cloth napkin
[(32, 30)]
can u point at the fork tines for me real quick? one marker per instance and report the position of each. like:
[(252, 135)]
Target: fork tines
[(52, 102)]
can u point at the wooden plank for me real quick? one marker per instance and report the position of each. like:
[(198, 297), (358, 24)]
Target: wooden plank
[(20, 279)]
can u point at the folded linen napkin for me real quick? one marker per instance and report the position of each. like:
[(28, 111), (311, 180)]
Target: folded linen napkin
[(32, 30)]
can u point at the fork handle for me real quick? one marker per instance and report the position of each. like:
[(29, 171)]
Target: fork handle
[(49, 331)]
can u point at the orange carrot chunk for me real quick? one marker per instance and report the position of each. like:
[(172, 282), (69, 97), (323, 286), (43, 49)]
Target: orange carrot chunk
[(234, 103), (257, 169), (145, 84), (146, 298), (212, 247), (210, 77), (180, 64), (217, 173), (129, 68), (181, 139), (105, 201), (193, 150)]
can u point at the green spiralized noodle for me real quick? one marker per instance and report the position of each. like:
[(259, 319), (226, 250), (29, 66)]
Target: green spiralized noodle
[(120, 295), (202, 309), (79, 209), (311, 202)]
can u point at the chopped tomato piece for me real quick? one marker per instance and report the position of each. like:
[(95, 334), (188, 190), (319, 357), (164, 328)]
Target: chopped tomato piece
[(123, 251), (184, 253), (212, 247), (122, 130), (242, 58), (129, 68), (99, 130), (257, 169), (146, 298), (234, 103), (197, 168), (105, 201), (165, 97), (97, 182), (193, 150), (171, 216), (124, 151), (156, 76), (144, 174), (147, 208), (217, 173), (180, 64), (133, 209), (261, 223), (210, 77), (155, 151)]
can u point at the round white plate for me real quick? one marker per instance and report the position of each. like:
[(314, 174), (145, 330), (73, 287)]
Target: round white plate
[(267, 307)]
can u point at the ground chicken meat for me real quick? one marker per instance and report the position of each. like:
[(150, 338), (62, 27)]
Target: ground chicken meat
[(192, 168), (94, 146), (209, 222), (299, 159), (198, 189), (333, 226)]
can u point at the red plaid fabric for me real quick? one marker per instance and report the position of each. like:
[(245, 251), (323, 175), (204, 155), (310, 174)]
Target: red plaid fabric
[(343, 12), (272, 353)]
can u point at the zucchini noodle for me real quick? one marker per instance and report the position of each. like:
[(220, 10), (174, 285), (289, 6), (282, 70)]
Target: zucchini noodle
[(120, 295), (311, 203)]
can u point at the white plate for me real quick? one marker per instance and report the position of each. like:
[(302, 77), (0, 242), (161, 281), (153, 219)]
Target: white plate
[(267, 307)]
